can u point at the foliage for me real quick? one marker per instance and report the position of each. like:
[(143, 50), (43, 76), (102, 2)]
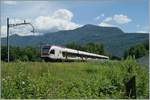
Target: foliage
[(98, 80), (22, 54), (73, 45), (138, 50), (89, 47)]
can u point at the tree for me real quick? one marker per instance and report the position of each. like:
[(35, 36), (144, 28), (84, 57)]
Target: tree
[(22, 54), (73, 45), (94, 48), (138, 50), (89, 47)]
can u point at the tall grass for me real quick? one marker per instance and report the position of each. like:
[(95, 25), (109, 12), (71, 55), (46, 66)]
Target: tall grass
[(72, 79)]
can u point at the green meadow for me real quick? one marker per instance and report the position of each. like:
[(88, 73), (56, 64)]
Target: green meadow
[(94, 79)]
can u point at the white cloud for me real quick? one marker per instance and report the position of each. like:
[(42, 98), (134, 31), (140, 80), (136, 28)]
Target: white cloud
[(121, 19), (99, 17), (3, 31), (22, 30), (19, 30), (63, 14), (10, 2), (59, 20), (115, 20), (108, 19), (104, 24)]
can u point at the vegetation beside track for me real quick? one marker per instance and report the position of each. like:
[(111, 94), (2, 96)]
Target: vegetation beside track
[(72, 79)]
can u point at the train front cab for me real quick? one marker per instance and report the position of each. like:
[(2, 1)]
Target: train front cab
[(49, 53)]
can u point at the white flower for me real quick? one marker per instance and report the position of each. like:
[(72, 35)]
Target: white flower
[(3, 79), (23, 82)]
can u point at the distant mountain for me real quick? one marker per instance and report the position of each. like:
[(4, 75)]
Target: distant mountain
[(114, 39)]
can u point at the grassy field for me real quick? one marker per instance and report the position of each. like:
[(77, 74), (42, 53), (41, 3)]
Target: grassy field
[(72, 79)]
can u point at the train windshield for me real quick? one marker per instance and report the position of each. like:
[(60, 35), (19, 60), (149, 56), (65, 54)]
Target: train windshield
[(45, 49), (52, 51)]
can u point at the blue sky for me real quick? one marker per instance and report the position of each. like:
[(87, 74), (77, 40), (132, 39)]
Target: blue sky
[(129, 15)]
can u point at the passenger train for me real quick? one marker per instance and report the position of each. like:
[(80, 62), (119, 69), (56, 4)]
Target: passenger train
[(58, 53)]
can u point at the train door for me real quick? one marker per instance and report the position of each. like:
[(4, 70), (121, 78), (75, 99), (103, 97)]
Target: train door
[(60, 54), (57, 54)]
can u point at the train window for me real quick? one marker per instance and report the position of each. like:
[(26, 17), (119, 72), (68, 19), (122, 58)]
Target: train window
[(45, 49), (68, 54), (52, 51), (64, 54), (71, 55)]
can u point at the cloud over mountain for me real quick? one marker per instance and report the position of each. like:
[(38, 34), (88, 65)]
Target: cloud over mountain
[(59, 20), (63, 14), (121, 19), (115, 20)]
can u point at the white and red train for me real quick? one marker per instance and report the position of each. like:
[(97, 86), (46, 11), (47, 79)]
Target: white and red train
[(65, 54)]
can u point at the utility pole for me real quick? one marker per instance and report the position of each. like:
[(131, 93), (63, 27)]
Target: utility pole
[(7, 39), (13, 25)]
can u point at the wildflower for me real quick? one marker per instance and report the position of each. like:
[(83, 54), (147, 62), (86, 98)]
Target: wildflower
[(23, 82), (3, 79)]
